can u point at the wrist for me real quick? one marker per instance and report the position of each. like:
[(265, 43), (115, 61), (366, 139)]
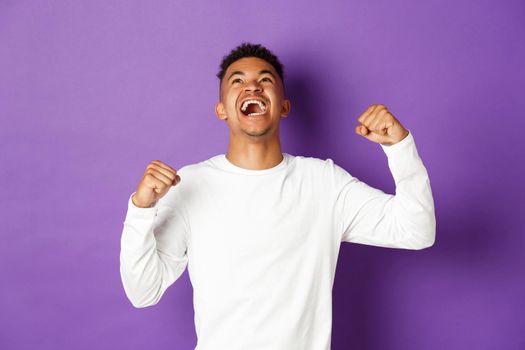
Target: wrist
[(139, 205), (402, 137)]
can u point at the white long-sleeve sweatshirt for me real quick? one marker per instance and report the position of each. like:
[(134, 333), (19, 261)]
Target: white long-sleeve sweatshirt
[(261, 246)]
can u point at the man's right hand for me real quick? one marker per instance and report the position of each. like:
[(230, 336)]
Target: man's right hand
[(155, 183)]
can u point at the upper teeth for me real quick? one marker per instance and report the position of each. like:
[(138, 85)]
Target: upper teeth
[(247, 102)]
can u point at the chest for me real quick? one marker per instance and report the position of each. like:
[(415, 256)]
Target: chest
[(257, 226)]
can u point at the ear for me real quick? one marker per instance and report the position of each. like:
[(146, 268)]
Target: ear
[(286, 108), (220, 112)]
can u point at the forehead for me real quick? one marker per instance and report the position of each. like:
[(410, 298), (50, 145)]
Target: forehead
[(249, 65)]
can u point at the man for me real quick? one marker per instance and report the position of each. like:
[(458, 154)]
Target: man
[(259, 229)]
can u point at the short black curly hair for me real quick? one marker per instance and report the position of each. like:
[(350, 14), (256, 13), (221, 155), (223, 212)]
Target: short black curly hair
[(247, 49)]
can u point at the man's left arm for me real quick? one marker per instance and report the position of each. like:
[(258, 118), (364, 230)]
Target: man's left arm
[(370, 216)]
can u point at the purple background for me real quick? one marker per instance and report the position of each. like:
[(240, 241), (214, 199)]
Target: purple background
[(91, 92)]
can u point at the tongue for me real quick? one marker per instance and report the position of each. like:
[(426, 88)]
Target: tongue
[(253, 108)]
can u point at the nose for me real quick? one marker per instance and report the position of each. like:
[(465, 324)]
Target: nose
[(253, 85)]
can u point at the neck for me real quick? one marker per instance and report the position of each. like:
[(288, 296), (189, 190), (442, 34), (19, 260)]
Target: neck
[(254, 154)]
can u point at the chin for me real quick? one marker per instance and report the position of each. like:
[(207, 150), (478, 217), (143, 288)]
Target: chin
[(258, 133)]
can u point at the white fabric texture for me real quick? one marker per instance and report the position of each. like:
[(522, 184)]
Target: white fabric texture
[(261, 246)]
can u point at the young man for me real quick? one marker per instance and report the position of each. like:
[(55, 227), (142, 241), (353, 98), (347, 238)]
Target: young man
[(259, 229)]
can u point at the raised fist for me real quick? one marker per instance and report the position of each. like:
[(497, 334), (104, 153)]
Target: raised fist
[(155, 183), (377, 124)]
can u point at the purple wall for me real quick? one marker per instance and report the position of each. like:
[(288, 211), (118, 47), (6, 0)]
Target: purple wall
[(91, 92)]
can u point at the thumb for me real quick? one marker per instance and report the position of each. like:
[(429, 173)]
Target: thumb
[(378, 137), (361, 130)]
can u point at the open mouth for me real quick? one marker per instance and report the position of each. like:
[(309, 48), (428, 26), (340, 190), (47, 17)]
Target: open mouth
[(253, 107)]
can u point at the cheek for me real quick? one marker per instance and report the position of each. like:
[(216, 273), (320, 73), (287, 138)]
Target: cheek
[(231, 105), (229, 102), (277, 102)]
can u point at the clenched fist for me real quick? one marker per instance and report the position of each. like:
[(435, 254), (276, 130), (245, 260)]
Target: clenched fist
[(157, 180), (379, 125)]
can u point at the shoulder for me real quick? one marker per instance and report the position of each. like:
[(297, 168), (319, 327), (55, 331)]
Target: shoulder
[(189, 179), (311, 162), (317, 164), (328, 170), (193, 168), (330, 177)]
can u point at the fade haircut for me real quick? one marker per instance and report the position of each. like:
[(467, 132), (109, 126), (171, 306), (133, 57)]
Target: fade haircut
[(251, 50)]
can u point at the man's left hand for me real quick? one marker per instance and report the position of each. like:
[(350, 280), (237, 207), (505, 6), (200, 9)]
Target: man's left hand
[(378, 125)]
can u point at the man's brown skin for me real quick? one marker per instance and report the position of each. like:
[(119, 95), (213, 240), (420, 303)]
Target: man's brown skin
[(254, 141), (379, 125), (155, 183)]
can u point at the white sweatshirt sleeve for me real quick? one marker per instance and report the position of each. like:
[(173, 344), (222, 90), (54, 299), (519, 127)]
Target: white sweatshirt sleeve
[(404, 220), (153, 249)]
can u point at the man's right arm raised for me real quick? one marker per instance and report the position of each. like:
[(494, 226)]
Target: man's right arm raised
[(154, 238)]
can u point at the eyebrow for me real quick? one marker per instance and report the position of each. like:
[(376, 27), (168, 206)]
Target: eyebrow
[(264, 71)]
